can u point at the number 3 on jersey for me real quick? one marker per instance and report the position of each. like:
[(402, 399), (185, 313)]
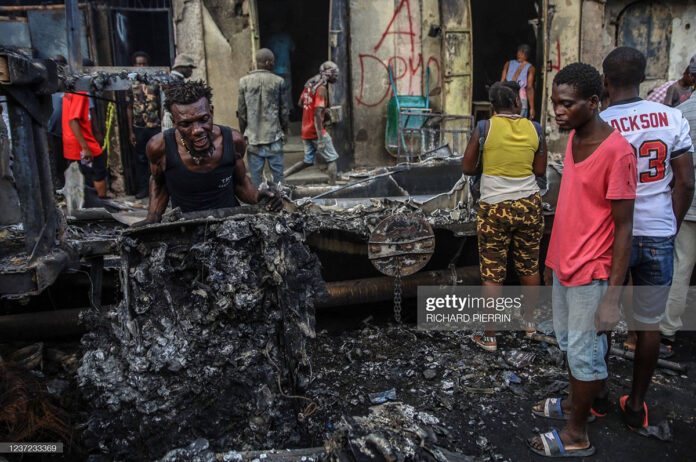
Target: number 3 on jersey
[(656, 151)]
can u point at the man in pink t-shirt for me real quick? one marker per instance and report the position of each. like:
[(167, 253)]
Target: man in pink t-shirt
[(588, 253)]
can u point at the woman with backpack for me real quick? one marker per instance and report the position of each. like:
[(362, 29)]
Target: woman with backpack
[(510, 152)]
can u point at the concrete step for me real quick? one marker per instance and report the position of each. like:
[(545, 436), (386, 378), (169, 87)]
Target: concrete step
[(293, 147), (311, 175), (290, 158)]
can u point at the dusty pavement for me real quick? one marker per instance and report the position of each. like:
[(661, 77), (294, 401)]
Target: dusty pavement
[(444, 374)]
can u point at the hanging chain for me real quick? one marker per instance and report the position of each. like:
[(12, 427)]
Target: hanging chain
[(397, 291)]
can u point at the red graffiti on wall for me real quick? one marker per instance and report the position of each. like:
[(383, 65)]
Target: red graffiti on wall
[(405, 67), (557, 66), (410, 32)]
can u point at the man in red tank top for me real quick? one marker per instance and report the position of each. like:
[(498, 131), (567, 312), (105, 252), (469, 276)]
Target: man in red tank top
[(314, 101)]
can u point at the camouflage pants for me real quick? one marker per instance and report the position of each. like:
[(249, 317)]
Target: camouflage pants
[(519, 223)]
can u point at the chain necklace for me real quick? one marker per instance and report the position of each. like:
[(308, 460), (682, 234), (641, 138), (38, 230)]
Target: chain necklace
[(197, 159)]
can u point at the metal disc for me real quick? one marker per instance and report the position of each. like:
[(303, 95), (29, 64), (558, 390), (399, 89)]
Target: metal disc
[(405, 240)]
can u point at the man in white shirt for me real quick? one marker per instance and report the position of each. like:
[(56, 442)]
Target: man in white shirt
[(660, 136)]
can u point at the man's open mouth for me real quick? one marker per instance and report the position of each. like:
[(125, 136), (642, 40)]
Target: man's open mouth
[(200, 142)]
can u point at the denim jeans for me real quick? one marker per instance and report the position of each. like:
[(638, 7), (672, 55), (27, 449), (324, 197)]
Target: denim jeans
[(652, 265), (311, 149), (573, 321), (142, 166), (258, 154)]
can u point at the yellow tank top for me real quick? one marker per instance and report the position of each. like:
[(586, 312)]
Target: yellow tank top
[(510, 147)]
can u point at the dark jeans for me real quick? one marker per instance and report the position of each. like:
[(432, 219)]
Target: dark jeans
[(652, 268), (142, 167), (58, 162)]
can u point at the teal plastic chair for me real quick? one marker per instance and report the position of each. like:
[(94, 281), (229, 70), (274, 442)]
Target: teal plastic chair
[(396, 104)]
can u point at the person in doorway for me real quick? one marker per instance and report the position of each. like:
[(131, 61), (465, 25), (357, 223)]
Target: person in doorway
[(79, 143), (283, 47), (520, 70), (144, 121), (588, 253), (314, 101), (661, 140), (680, 90), (263, 117), (684, 243), (198, 164), (182, 70), (513, 155)]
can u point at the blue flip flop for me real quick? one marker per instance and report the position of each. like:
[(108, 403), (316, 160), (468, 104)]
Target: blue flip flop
[(553, 410), (553, 447)]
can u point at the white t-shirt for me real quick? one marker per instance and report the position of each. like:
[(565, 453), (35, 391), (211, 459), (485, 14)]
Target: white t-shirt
[(658, 134)]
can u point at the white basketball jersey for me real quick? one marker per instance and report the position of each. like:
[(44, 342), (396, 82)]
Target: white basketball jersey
[(658, 134)]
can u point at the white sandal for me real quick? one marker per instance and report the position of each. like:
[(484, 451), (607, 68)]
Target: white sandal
[(529, 329), (485, 342)]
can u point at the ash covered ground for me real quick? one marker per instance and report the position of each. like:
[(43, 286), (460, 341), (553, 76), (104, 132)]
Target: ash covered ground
[(447, 397), (443, 375), (481, 413)]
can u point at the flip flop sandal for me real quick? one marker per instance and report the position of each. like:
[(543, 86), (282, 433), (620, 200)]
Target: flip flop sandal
[(553, 410), (600, 406), (553, 447), (529, 329), (487, 343), (665, 350), (622, 404)]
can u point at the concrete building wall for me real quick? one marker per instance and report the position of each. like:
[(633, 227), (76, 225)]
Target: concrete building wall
[(383, 33), (431, 48), (591, 47), (218, 34), (586, 30), (564, 49), (682, 35), (188, 31)]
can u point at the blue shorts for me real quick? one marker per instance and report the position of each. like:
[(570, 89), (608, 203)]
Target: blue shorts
[(310, 148), (652, 264), (574, 323)]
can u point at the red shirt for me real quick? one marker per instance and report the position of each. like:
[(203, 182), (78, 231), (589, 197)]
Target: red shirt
[(76, 106), (583, 229), (310, 102)]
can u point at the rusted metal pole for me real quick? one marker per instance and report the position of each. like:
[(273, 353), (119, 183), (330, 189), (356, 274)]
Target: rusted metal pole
[(63, 323), (381, 289)]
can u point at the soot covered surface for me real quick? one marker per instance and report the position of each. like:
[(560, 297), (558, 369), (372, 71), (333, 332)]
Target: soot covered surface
[(214, 312)]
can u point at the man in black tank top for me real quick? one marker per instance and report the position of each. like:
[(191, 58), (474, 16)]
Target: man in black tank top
[(197, 164)]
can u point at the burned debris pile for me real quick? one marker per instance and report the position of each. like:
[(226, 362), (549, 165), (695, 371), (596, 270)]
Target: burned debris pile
[(209, 341), (391, 431)]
